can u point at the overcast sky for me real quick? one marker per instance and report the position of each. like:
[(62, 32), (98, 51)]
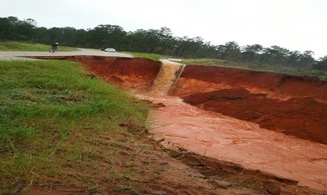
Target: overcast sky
[(293, 24)]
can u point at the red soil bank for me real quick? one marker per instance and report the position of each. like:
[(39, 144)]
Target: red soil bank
[(292, 105), (301, 117), (133, 73), (196, 78)]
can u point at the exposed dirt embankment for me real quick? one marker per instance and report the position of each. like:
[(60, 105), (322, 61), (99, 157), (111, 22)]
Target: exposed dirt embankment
[(292, 105), (197, 78), (301, 117), (133, 73), (136, 73)]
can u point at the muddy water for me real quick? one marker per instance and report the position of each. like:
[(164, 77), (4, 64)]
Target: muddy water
[(229, 139), (166, 77), (238, 141)]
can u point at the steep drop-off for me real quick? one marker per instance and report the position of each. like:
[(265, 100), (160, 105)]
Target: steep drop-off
[(136, 74), (301, 117), (293, 105), (132, 73), (198, 78)]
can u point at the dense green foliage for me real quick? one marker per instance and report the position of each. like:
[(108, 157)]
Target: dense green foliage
[(155, 41), (321, 64), (46, 107)]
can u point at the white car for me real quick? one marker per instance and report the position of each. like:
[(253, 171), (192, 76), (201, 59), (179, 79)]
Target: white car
[(110, 50)]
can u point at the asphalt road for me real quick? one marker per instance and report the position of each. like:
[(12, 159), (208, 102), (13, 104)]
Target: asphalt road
[(19, 55)]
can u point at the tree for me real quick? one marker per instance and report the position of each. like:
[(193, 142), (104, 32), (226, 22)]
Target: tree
[(306, 60), (250, 51), (160, 41), (274, 55), (293, 58), (230, 51), (14, 29), (166, 43), (321, 64), (106, 36), (6, 26)]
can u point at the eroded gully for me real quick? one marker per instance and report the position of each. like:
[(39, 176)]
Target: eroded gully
[(210, 133), (225, 138), (238, 141)]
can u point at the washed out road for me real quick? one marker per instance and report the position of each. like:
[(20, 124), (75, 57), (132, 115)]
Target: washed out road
[(224, 138), (20, 55)]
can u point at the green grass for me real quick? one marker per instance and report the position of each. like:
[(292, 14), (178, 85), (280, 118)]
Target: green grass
[(321, 75), (206, 61), (150, 56), (24, 46), (57, 124)]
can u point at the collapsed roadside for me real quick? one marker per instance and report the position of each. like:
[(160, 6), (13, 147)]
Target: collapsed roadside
[(99, 152)]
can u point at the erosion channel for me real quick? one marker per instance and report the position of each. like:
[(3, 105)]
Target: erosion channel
[(263, 121)]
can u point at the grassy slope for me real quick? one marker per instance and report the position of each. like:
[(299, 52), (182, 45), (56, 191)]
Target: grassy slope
[(151, 56), (24, 46), (53, 117), (64, 131), (322, 75)]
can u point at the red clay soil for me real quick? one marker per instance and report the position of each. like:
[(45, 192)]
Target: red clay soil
[(197, 78), (292, 105), (135, 73), (132, 73), (301, 117)]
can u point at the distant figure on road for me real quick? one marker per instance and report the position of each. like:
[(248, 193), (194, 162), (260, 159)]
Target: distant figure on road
[(54, 47)]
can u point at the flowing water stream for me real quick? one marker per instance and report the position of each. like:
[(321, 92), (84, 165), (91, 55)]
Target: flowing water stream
[(226, 138), (169, 72)]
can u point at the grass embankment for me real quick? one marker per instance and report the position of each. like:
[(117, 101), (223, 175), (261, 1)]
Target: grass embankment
[(61, 127), (322, 75), (150, 56), (24, 46)]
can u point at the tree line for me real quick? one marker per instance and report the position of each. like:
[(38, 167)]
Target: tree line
[(159, 41)]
